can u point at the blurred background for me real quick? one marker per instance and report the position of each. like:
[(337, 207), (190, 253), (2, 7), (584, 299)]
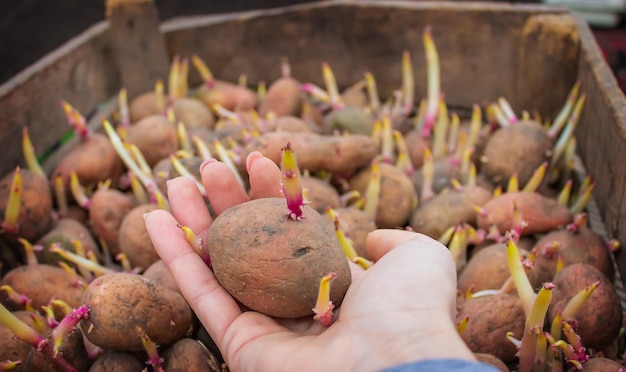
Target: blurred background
[(31, 28)]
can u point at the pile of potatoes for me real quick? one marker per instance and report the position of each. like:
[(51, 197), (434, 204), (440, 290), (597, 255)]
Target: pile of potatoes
[(468, 181)]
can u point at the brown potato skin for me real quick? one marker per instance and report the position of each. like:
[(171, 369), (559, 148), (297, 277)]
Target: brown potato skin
[(193, 113), (320, 194), (134, 240), (444, 171), (122, 301), (541, 213), (143, 105), (599, 364), (155, 137), (272, 263), (597, 329), (73, 351), (189, 355), (94, 160), (228, 95), (416, 146), (41, 283), (487, 269), (357, 225), (283, 97), (397, 195), (492, 360), (108, 208), (519, 148), (64, 232), (584, 246), (160, 274), (288, 124), (490, 318), (317, 152), (117, 361), (12, 347), (35, 215), (449, 208)]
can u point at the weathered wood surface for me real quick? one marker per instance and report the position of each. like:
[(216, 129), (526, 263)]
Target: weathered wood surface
[(137, 43), (601, 137), (478, 43), (81, 72)]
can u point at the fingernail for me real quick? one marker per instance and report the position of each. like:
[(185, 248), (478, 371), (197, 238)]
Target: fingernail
[(207, 162), (145, 215), (251, 158)]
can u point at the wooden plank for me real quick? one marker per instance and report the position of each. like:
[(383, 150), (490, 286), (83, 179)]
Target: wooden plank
[(137, 44), (601, 138), (81, 72), (354, 37), (549, 49)]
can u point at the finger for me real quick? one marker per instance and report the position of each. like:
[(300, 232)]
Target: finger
[(187, 204), (222, 187), (381, 241), (264, 176), (210, 302)]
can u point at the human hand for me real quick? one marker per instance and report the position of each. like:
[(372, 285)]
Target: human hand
[(400, 310)]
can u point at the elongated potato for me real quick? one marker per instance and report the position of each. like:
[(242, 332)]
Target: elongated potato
[(120, 302), (449, 208), (41, 283), (541, 213), (317, 152)]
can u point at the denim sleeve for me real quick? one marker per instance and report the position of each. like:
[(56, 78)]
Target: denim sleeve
[(443, 365)]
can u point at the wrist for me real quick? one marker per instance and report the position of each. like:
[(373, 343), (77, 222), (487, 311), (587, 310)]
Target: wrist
[(438, 339)]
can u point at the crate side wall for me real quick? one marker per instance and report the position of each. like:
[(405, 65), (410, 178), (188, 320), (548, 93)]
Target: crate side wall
[(601, 139), (80, 72), (479, 49)]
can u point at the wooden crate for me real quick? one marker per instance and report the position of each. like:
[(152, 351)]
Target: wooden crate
[(530, 54)]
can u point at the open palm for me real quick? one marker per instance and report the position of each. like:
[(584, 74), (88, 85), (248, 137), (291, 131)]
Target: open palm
[(400, 310)]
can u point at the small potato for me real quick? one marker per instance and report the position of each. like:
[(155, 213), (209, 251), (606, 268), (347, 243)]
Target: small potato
[(73, 351), (190, 355), (193, 113), (597, 329), (490, 318), (487, 269), (35, 215), (12, 347), (272, 263), (447, 209), (283, 98), (134, 240), (357, 225), (155, 137), (541, 213), (492, 360), (317, 152), (351, 119), (142, 106), (288, 124), (42, 283), (600, 364), (583, 246), (444, 171), (160, 274), (64, 232), (416, 145), (108, 208), (320, 194), (230, 96), (397, 195), (94, 160), (122, 301), (117, 361), (519, 148)]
